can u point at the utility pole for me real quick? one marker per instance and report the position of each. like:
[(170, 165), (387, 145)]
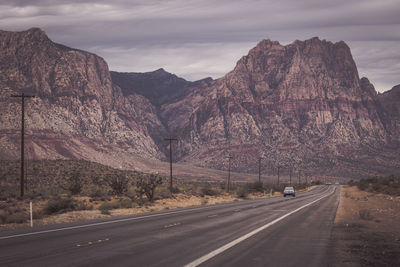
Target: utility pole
[(278, 173), (229, 173), (290, 181), (170, 160), (299, 176), (22, 96), (259, 169)]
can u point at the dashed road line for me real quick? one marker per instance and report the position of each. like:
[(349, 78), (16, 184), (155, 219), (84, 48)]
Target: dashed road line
[(172, 225), (90, 243)]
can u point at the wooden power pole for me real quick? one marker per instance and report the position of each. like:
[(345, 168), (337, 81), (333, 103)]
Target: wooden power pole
[(22, 96), (170, 161), (278, 174), (229, 173), (299, 176), (259, 169)]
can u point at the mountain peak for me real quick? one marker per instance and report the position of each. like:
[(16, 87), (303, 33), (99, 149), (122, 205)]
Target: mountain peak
[(36, 33), (266, 44), (160, 70), (35, 29)]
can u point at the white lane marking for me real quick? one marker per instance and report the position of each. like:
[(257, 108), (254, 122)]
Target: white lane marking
[(102, 223), (246, 236), (172, 225)]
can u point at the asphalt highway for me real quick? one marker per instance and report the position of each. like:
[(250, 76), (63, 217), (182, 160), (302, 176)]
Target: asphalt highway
[(273, 231)]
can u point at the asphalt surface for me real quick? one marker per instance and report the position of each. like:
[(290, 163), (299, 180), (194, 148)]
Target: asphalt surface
[(274, 231)]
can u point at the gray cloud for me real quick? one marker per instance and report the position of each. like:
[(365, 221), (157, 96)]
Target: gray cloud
[(197, 38)]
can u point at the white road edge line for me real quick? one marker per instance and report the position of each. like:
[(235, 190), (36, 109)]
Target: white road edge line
[(214, 253), (102, 223)]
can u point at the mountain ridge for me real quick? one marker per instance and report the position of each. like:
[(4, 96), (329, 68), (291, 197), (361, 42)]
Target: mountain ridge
[(300, 106)]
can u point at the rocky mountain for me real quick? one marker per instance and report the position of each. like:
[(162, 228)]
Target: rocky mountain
[(158, 86), (301, 106), (389, 106), (78, 111)]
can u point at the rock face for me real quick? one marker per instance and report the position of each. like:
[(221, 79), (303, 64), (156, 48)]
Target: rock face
[(300, 106), (78, 111), (389, 107), (158, 86)]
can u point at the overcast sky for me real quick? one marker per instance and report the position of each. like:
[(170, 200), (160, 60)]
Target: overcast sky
[(199, 38)]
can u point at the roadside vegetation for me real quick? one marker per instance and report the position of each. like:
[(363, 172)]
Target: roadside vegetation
[(62, 186), (389, 185)]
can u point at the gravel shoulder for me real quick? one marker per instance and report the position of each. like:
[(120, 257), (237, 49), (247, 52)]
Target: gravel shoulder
[(366, 230)]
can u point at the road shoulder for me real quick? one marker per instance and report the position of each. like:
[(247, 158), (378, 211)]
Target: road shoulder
[(366, 230)]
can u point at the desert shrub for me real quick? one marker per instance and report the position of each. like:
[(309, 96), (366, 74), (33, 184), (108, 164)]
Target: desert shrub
[(125, 203), (242, 192), (175, 190), (73, 183), (222, 186), (3, 216), (387, 185), (37, 214), (377, 187), (59, 205), (8, 192), (19, 217), (146, 185), (255, 187), (207, 190), (82, 205), (118, 184), (107, 206), (365, 214), (162, 192), (98, 194), (362, 185)]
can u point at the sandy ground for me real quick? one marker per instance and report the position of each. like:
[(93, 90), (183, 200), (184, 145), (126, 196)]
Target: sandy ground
[(367, 229)]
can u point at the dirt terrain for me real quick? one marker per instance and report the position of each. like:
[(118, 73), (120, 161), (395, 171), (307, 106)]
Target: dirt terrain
[(367, 229)]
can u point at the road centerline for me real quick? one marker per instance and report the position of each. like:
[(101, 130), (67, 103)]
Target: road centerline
[(104, 223)]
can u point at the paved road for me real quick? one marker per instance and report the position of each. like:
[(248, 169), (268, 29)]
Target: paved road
[(265, 232)]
